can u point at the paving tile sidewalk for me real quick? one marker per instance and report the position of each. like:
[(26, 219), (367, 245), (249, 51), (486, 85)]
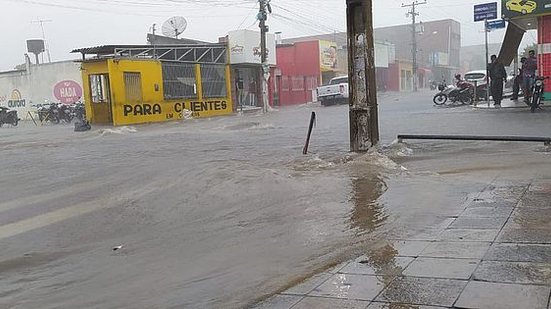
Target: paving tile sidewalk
[(495, 254)]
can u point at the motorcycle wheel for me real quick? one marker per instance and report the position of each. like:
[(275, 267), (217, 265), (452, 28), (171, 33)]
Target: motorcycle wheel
[(15, 122), (440, 99), (535, 102), (466, 100)]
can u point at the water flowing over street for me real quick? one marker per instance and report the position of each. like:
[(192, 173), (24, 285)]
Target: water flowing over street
[(219, 213)]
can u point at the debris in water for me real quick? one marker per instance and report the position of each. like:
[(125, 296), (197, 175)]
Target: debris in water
[(117, 248)]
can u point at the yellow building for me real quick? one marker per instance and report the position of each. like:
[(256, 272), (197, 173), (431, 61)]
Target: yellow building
[(142, 84)]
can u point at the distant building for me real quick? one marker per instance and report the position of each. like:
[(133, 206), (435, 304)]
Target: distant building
[(472, 57), (438, 48), (438, 54)]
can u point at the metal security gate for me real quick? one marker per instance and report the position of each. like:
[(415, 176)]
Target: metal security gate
[(133, 87)]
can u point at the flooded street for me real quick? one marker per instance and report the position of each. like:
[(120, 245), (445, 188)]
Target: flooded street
[(219, 213)]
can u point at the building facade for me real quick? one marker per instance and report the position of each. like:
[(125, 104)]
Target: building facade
[(438, 49), (140, 84), (524, 16), (22, 90)]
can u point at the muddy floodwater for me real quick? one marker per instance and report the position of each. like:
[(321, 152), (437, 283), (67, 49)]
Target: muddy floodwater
[(220, 213)]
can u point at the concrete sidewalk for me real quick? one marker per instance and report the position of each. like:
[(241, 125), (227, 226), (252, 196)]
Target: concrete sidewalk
[(495, 254)]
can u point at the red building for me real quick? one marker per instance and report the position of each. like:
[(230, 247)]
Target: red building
[(521, 19), (298, 73)]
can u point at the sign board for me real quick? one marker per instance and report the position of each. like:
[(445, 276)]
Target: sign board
[(328, 55), (68, 92), (486, 11), (382, 55), (245, 47), (440, 59), (496, 24), (521, 8)]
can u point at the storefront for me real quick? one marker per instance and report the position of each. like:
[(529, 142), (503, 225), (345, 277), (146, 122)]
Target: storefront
[(523, 16), (246, 67), (142, 84)]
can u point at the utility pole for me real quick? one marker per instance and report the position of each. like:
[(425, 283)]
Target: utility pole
[(153, 40), (413, 13), (265, 8), (41, 22), (364, 117)]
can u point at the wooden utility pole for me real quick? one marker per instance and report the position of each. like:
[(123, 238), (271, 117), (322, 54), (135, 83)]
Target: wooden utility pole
[(364, 118)]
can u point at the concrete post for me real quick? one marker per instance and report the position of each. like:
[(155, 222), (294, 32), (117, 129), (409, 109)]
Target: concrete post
[(364, 122)]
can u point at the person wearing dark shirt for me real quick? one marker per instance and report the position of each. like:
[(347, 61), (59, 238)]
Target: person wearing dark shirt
[(529, 69), (518, 81), (497, 75)]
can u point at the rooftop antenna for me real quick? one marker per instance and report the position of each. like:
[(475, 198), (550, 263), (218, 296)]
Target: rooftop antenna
[(174, 26), (47, 47)]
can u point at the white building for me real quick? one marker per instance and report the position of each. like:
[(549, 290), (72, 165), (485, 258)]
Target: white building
[(36, 84)]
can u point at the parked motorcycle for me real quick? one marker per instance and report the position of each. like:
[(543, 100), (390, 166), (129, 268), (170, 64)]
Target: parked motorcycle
[(537, 93), (79, 111), (65, 112), (8, 116), (453, 94)]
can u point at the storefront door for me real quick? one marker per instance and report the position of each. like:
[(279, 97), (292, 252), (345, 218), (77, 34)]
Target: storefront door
[(101, 99)]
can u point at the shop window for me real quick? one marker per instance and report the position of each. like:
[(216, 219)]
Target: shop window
[(213, 78), (284, 83), (133, 87), (99, 88), (179, 81), (297, 83), (312, 83)]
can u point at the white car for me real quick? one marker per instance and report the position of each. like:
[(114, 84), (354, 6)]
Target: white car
[(334, 93), (480, 77)]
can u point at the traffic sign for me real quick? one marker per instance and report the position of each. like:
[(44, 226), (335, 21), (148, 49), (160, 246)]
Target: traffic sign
[(486, 11), (495, 24)]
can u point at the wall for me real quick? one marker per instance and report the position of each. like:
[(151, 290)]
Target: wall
[(544, 58), (300, 71), (21, 89)]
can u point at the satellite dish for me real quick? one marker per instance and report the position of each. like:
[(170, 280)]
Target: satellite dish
[(174, 26)]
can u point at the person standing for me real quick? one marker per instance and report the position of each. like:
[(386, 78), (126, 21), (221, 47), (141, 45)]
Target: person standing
[(497, 75), (518, 81), (529, 69)]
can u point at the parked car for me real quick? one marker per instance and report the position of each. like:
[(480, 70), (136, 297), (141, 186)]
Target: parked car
[(335, 92), (479, 76)]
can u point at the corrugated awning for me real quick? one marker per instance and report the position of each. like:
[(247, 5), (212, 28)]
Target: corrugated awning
[(511, 43)]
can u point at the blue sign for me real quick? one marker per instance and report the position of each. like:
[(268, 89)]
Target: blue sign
[(496, 24), (487, 11)]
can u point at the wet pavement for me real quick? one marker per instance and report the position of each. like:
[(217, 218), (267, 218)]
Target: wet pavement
[(479, 259), (221, 213)]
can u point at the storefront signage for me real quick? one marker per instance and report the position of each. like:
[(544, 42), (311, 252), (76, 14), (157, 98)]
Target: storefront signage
[(520, 8), (245, 49), (16, 100), (195, 107), (142, 109), (68, 92), (328, 55)]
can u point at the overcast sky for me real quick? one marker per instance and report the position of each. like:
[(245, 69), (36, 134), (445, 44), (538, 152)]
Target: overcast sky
[(81, 23)]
